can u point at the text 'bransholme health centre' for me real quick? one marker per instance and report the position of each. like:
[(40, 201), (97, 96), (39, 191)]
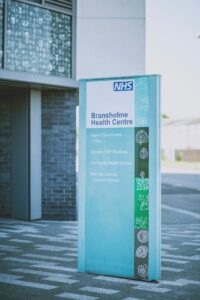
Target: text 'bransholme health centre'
[(110, 119)]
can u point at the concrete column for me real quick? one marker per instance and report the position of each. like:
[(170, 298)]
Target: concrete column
[(35, 154), (26, 155)]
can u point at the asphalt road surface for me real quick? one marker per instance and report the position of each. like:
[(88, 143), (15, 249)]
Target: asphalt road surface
[(180, 198), (38, 260)]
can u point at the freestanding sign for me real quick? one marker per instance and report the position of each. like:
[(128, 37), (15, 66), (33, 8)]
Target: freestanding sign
[(119, 183)]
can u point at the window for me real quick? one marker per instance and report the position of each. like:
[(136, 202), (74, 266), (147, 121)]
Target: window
[(39, 40), (36, 1), (1, 33)]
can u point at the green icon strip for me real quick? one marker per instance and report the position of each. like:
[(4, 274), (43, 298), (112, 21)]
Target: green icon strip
[(141, 204)]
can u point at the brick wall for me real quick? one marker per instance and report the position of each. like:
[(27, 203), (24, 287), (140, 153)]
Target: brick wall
[(58, 154), (5, 156)]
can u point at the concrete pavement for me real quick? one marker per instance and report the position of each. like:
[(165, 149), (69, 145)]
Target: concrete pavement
[(38, 260)]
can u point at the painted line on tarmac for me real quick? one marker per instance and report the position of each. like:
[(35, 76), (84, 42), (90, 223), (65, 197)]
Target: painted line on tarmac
[(98, 290), (182, 211)]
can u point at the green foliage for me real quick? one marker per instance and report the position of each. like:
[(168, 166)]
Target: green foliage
[(179, 156), (164, 116)]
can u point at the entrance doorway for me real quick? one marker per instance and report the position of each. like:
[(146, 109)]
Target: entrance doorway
[(20, 154)]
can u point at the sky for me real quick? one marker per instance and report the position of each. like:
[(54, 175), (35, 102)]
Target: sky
[(173, 51)]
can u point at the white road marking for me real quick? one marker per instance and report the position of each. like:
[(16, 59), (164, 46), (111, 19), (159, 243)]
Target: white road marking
[(73, 231), (71, 249), (76, 296), (183, 231), (50, 248), (52, 239), (97, 290), (48, 257), (194, 257), (4, 235), (172, 283), (61, 280), (41, 273), (167, 247), (29, 261), (180, 235), (180, 282), (19, 229), (21, 241), (188, 281), (52, 267), (175, 261), (68, 227), (27, 228), (11, 279), (8, 276), (130, 298), (9, 248), (150, 288), (176, 270), (182, 211), (191, 244), (71, 254), (195, 227), (114, 279)]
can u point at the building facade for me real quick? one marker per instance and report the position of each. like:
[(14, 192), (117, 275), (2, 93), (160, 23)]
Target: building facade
[(45, 47), (181, 140)]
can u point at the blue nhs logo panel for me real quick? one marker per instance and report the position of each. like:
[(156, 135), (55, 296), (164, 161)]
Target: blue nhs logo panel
[(119, 86)]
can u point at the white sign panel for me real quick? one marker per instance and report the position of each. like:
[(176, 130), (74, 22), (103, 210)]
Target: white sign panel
[(110, 104)]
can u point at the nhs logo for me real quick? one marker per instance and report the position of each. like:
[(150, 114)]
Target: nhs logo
[(119, 86)]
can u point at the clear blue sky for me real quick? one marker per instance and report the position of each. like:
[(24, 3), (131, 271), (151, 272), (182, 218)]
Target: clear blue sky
[(173, 50)]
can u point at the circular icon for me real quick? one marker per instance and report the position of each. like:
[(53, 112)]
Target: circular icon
[(143, 236), (143, 270), (142, 137), (142, 251), (144, 153), (142, 174)]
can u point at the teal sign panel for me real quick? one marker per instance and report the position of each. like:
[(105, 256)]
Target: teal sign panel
[(119, 179)]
